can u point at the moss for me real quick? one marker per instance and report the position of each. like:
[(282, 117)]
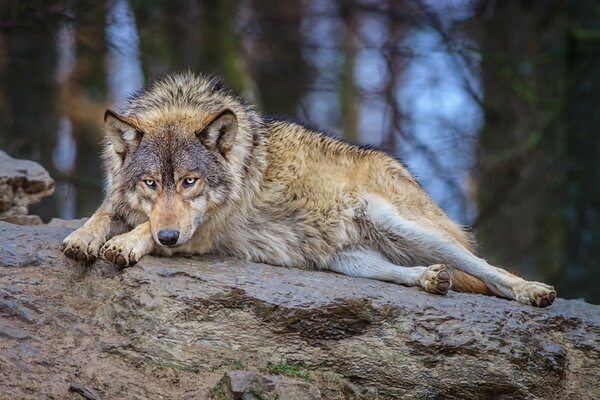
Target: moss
[(283, 368)]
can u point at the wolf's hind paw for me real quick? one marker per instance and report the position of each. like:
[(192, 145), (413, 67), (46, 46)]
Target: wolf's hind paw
[(535, 293), (436, 279)]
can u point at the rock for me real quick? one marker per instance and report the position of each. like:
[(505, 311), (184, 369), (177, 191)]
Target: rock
[(174, 327), (22, 219), (32, 247), (67, 223), (355, 392), (7, 331), (248, 385), (22, 183), (86, 393)]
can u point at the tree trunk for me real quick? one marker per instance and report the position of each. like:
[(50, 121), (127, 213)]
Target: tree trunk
[(86, 100), (28, 86), (582, 213), (521, 156)]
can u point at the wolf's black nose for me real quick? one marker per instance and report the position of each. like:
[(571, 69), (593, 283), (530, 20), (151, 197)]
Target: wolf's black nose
[(168, 237)]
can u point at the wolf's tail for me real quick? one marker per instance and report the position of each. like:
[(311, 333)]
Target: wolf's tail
[(463, 282)]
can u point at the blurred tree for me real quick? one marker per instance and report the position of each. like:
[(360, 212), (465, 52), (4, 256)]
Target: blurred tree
[(85, 98), (396, 62), (282, 74), (520, 156), (193, 34), (537, 196), (28, 87), (348, 91), (222, 52), (169, 33), (582, 269), (183, 26)]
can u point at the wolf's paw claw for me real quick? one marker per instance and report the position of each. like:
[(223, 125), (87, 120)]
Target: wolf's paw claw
[(81, 245), (536, 294), (436, 279), (119, 252)]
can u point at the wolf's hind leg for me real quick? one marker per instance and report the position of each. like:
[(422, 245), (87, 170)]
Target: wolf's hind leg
[(366, 263), (433, 246), (84, 243), (128, 248)]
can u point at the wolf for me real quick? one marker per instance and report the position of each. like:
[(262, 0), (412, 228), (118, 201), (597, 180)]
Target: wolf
[(191, 168)]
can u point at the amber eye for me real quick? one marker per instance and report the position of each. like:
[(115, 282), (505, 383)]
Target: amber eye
[(150, 183), (189, 182)]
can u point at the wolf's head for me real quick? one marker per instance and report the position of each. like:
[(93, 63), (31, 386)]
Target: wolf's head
[(178, 154)]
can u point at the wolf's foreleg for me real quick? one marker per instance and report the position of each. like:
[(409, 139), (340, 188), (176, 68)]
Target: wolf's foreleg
[(128, 248), (84, 243), (443, 250), (366, 263)]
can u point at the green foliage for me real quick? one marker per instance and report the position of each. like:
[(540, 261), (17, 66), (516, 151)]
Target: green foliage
[(283, 368)]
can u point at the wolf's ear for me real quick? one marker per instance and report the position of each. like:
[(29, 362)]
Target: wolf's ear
[(220, 132), (123, 132)]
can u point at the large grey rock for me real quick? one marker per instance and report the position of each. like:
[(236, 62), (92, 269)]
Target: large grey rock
[(22, 183), (249, 385), (172, 327)]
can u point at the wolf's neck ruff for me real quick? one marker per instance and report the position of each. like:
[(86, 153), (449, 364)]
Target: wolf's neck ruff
[(192, 168)]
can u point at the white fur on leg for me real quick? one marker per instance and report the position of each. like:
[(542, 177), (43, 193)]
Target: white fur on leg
[(365, 263), (383, 214)]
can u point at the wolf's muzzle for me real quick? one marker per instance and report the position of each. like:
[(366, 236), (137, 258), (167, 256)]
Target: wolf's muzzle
[(168, 237)]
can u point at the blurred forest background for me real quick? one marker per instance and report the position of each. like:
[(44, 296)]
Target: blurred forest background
[(493, 105)]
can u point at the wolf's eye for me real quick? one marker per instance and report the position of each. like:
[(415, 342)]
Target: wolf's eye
[(188, 182), (150, 183)]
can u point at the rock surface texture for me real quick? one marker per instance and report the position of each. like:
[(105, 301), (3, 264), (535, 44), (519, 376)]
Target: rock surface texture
[(177, 328), (22, 183), (254, 386)]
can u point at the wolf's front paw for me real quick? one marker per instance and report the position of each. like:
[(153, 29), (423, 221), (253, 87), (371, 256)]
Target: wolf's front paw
[(82, 245), (122, 251), (436, 279), (535, 294)]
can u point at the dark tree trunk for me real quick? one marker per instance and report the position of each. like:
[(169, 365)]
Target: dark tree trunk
[(28, 86), (87, 99), (155, 51), (582, 212), (349, 97), (521, 158), (282, 75), (539, 187)]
